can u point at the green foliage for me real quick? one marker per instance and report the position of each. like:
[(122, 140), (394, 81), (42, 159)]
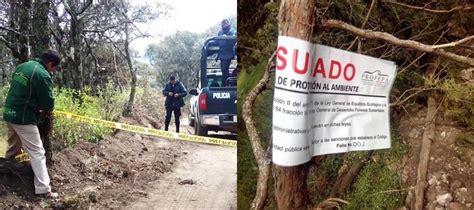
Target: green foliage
[(178, 54), (466, 138), (459, 102), (257, 38), (153, 101), (3, 94), (3, 139), (247, 80), (377, 185), (385, 192), (108, 105), (261, 45), (248, 169), (3, 127), (110, 100)]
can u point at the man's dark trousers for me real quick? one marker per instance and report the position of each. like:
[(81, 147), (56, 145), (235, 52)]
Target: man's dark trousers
[(225, 63), (177, 114)]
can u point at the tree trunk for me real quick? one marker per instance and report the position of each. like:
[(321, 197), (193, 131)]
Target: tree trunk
[(74, 58), (129, 106), (75, 53), (24, 22), (40, 29), (19, 20), (296, 19), (115, 74)]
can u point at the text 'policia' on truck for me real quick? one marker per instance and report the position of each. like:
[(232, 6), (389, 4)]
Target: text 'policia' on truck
[(214, 102)]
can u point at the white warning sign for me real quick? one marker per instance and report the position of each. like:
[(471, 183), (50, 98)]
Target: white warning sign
[(328, 101)]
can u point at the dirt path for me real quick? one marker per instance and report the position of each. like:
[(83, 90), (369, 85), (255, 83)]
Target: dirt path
[(131, 170), (213, 168)]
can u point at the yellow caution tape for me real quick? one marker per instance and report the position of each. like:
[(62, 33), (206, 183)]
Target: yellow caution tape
[(22, 157), (147, 131)]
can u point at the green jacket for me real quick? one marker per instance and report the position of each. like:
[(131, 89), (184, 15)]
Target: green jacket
[(30, 91)]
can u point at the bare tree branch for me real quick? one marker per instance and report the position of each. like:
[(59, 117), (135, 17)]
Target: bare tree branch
[(15, 52), (454, 44), (13, 31), (372, 5), (429, 10), (105, 29), (417, 91), (370, 34), (116, 47), (263, 161), (414, 61), (87, 5), (68, 8)]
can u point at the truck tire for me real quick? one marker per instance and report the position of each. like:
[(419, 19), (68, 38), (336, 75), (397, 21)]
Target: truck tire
[(190, 120), (199, 129)]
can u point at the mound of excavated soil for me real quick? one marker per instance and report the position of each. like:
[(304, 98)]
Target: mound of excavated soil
[(108, 174)]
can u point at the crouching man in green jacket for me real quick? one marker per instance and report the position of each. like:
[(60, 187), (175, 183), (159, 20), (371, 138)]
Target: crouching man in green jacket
[(31, 93)]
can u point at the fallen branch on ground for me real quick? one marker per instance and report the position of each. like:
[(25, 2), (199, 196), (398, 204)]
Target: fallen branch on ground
[(427, 139)]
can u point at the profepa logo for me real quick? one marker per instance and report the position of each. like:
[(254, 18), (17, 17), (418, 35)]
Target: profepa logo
[(374, 78)]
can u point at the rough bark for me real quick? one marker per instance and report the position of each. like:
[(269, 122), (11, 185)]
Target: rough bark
[(24, 23), (428, 137), (74, 59), (17, 39), (296, 19), (39, 27), (129, 106), (263, 161)]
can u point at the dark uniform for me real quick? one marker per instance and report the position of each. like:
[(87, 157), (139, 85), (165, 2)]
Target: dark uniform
[(226, 52), (172, 103)]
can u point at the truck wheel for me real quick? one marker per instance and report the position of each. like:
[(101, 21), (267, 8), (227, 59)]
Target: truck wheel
[(190, 120), (198, 129)]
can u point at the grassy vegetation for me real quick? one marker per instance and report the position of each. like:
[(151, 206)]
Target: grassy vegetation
[(3, 139), (3, 129), (378, 184), (466, 142), (466, 139), (106, 105), (459, 102)]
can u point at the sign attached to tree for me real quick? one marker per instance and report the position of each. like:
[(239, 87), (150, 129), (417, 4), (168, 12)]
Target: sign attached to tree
[(328, 101)]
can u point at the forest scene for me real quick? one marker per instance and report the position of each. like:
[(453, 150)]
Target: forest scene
[(430, 162), (105, 74)]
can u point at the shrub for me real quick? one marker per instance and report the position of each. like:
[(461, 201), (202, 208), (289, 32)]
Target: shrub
[(459, 102), (107, 105)]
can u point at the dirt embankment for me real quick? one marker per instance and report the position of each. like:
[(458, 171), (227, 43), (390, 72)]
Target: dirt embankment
[(123, 169), (107, 174)]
